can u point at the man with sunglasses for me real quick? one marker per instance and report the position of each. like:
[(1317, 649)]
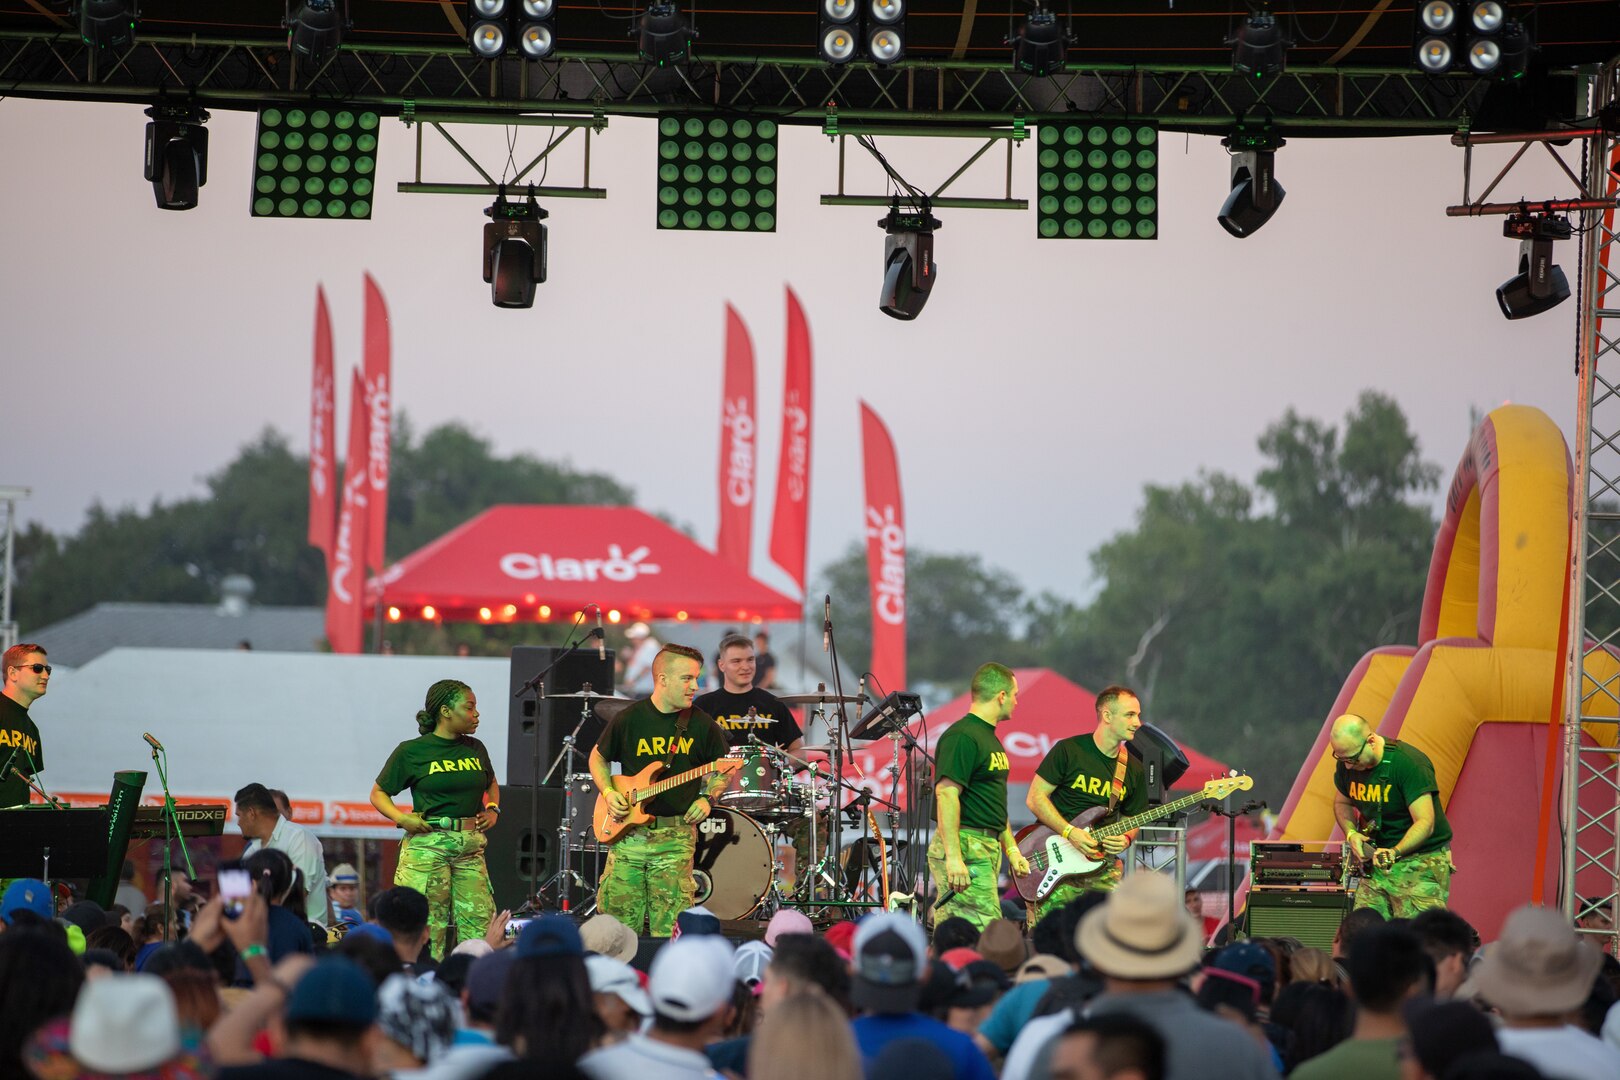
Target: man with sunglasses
[(27, 675), (1388, 804)]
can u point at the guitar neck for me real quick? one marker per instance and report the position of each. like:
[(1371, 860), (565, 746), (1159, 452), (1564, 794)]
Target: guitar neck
[(1125, 825), (654, 790)]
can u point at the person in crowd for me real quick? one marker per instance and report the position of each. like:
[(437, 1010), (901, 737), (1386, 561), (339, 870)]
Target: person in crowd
[(39, 981), (547, 1012), (891, 969), (1054, 948), (805, 1037), (321, 1020), (616, 991), (1082, 772), (1118, 1047), (156, 929), (196, 995), (1440, 1032), (474, 1049), (121, 1025), (741, 708), (1387, 967), (638, 677), (265, 827), (274, 876), (1537, 975), (1195, 907), (800, 963), (689, 987), (455, 801), (27, 677), (417, 1019), (648, 877), (28, 900), (344, 889), (1143, 943), (129, 895), (1315, 1018), (952, 932), (115, 941), (1309, 965), (1450, 943), (970, 797), (404, 915), (606, 936), (372, 948), (87, 915), (1389, 786), (765, 666), (1240, 982), (124, 918)]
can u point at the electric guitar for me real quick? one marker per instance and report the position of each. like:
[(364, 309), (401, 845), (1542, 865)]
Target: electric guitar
[(644, 785), (1053, 859)]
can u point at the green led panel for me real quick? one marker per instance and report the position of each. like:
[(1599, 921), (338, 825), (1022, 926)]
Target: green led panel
[(717, 173), (1098, 182), (315, 163)]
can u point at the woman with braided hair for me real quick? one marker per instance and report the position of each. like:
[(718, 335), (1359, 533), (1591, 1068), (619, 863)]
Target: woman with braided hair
[(454, 801)]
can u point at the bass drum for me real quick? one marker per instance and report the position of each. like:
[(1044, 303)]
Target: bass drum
[(733, 865)]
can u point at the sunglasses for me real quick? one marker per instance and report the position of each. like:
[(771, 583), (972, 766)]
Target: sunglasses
[(37, 669), (1359, 751)]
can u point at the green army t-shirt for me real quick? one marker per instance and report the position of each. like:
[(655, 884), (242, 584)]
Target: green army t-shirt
[(642, 735), (772, 721), (20, 737), (1385, 793), (1082, 776), (970, 754), (447, 777)]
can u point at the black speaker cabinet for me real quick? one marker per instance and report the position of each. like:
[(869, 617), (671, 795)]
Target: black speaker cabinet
[(551, 719), (1312, 917), (513, 848)]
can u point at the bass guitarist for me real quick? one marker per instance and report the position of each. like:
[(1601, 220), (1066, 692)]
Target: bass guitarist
[(648, 877), (1083, 771)]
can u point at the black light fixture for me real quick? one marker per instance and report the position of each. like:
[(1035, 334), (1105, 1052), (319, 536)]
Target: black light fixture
[(536, 30), (176, 155), (107, 23), (315, 27), (1041, 45), (1255, 193), (514, 250), (1259, 46), (487, 30), (886, 31), (1473, 36), (909, 270), (663, 33), (840, 26), (1540, 284)]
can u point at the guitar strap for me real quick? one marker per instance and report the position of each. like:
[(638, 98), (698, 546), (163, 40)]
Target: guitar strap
[(1118, 788), (680, 729)]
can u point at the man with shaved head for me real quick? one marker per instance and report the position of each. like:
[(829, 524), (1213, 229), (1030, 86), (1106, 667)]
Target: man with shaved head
[(1388, 804)]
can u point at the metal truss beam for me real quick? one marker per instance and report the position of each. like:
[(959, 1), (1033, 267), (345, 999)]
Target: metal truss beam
[(519, 183), (226, 73)]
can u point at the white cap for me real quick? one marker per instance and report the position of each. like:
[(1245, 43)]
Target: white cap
[(637, 631), (610, 976), (691, 978)]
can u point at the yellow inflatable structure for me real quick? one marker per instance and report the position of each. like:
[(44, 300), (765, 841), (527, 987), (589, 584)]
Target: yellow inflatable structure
[(1475, 694)]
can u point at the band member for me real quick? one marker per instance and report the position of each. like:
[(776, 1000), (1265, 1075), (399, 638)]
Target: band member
[(742, 710), (27, 676), (1388, 804), (455, 800), (1080, 772), (648, 877), (970, 796)]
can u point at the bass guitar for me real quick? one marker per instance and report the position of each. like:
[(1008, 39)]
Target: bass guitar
[(1053, 859), (644, 785)]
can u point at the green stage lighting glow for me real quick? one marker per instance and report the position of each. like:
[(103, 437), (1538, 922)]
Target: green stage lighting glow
[(717, 173), (315, 162), (1098, 182)]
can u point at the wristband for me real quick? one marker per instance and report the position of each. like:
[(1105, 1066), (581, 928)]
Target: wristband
[(1067, 829), (493, 807), (252, 951)]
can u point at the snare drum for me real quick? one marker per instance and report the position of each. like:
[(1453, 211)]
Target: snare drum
[(732, 865), (753, 787)]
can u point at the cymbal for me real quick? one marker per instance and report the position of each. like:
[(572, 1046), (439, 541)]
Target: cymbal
[(612, 707), (818, 699), (592, 695)]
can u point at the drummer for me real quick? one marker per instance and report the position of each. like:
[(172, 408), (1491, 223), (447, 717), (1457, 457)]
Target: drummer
[(741, 709)]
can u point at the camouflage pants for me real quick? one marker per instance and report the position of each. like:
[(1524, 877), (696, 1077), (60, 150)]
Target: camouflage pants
[(1415, 883), (1103, 880), (448, 868), (648, 878), (980, 902)]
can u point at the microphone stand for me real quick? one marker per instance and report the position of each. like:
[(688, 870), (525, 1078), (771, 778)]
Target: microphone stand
[(835, 838), (1231, 817), (171, 832)]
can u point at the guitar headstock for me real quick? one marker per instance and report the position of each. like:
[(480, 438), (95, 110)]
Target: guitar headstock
[(1221, 787)]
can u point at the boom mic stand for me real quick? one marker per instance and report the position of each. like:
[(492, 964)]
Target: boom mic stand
[(171, 832), (1231, 817), (565, 873)]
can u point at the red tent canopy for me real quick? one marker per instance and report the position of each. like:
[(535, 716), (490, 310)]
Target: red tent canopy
[(1050, 708), (539, 562)]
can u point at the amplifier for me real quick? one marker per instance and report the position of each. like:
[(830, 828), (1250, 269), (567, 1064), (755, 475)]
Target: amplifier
[(1311, 915)]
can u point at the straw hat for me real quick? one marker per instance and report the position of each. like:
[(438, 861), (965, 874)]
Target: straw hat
[(1142, 931), (1538, 967)]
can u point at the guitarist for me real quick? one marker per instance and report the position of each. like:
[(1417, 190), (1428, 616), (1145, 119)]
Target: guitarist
[(970, 797), (1084, 771), (648, 877)]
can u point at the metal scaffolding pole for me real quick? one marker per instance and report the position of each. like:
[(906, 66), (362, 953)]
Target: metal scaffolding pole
[(8, 629)]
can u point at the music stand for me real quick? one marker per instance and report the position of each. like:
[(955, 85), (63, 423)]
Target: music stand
[(53, 843)]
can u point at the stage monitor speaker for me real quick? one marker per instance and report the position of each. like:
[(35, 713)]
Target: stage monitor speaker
[(550, 720), (1311, 916), (513, 848), (1162, 761)]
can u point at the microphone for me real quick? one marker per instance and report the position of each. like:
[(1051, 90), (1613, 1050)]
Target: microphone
[(601, 642), (826, 623), (153, 743)]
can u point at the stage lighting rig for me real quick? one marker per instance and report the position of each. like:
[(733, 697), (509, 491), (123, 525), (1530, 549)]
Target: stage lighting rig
[(514, 251), (1475, 36), (1255, 193), (1540, 284), (176, 155), (909, 270), (315, 27), (1041, 45), (107, 23), (663, 33), (1259, 46)]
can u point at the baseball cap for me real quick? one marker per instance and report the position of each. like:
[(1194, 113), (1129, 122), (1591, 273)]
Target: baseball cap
[(486, 981), (1251, 960), (610, 976), (26, 894), (696, 920), (890, 960), (87, 915), (787, 921), (750, 962), (961, 956), (420, 1016), (550, 935), (335, 991), (691, 977)]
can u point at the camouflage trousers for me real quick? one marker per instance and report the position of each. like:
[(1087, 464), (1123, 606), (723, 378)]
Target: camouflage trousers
[(448, 868), (1103, 880), (980, 902), (648, 877), (1415, 883)]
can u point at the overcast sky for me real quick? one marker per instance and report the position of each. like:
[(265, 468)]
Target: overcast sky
[(1044, 384)]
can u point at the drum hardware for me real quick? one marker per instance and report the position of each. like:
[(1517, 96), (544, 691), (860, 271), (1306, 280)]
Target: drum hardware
[(568, 758)]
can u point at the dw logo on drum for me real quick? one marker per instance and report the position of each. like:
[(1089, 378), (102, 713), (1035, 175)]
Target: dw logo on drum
[(712, 827)]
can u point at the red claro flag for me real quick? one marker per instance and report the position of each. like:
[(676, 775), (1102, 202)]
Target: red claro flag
[(734, 541), (885, 552), (790, 523), (379, 410), (322, 463), (346, 572)]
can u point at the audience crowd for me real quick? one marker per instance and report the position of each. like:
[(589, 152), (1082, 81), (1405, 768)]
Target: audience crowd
[(1115, 985)]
